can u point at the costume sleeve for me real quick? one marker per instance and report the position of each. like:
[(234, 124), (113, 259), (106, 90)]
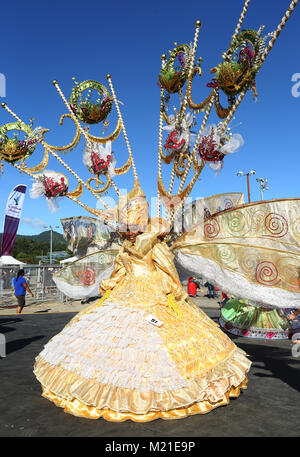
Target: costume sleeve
[(163, 260), (117, 274)]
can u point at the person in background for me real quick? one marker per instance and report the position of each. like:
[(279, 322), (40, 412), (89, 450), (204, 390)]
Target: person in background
[(192, 287), (19, 288), (294, 317), (224, 300), (2, 279), (211, 290)]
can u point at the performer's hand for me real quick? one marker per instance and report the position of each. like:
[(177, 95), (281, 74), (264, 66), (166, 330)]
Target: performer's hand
[(291, 317)]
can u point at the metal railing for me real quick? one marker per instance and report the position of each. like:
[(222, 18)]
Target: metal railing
[(38, 277)]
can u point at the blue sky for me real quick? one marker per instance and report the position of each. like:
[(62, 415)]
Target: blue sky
[(42, 41)]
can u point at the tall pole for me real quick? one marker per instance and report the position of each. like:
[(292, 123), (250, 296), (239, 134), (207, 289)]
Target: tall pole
[(50, 245), (241, 173), (248, 187)]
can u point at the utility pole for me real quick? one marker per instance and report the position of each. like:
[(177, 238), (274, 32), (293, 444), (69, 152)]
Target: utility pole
[(51, 244), (241, 173), (263, 182)]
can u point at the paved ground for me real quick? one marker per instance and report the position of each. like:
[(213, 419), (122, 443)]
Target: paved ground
[(269, 407)]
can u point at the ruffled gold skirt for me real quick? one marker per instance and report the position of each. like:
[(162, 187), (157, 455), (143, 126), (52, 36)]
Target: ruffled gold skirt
[(110, 362), (78, 408)]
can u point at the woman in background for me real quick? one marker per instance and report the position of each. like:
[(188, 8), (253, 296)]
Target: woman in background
[(20, 287)]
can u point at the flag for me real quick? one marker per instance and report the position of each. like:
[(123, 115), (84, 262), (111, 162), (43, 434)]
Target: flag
[(12, 218)]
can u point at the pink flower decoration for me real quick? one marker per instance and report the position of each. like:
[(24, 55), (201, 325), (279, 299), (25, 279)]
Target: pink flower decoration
[(270, 335)]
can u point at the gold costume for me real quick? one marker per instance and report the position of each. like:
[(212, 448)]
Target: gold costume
[(111, 362)]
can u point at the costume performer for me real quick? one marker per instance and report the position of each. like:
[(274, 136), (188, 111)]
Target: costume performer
[(145, 351), (111, 362), (242, 319)]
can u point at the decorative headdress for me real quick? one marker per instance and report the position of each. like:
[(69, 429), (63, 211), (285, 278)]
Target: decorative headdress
[(187, 152)]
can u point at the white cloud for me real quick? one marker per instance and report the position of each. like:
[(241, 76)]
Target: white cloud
[(33, 222)]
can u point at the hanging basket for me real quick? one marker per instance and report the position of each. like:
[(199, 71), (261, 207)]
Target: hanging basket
[(88, 111)]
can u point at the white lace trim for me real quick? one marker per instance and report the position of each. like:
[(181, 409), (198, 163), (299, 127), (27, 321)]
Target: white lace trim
[(234, 284), (115, 345)]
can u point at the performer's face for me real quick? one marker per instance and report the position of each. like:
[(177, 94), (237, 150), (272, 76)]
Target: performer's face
[(131, 234)]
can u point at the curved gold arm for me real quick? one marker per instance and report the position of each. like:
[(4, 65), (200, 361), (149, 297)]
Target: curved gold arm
[(125, 168), (112, 137), (190, 101), (41, 166), (179, 197), (221, 112), (73, 143), (98, 181), (179, 162), (76, 192)]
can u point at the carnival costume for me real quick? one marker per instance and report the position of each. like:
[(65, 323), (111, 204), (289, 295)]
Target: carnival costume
[(145, 350)]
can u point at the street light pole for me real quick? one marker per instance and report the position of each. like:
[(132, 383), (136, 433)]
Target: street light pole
[(51, 240), (50, 244), (263, 182), (241, 173)]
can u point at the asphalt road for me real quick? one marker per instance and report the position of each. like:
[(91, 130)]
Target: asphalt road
[(268, 408)]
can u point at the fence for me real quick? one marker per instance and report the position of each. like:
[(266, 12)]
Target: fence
[(38, 278)]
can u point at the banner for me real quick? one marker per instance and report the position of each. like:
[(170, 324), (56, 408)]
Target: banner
[(12, 218)]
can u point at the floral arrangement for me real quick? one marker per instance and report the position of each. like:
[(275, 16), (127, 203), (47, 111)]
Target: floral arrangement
[(13, 149), (172, 77), (88, 110)]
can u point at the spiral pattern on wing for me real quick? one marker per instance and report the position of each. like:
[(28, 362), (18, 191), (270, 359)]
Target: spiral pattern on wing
[(225, 254), (248, 260), (267, 274), (277, 225), (236, 222), (289, 271), (211, 228)]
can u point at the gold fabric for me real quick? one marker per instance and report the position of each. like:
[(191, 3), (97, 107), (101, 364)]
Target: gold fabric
[(211, 367), (259, 241), (79, 409)]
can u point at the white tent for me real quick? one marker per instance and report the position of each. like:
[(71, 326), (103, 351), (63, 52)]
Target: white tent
[(9, 260), (69, 260)]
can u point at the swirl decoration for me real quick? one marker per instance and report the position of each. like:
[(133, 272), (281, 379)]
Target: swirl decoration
[(171, 77), (289, 271), (248, 260), (105, 184), (276, 225), (225, 254), (86, 110), (87, 276), (211, 228), (266, 273), (236, 223), (258, 218), (296, 229), (228, 203), (13, 150)]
